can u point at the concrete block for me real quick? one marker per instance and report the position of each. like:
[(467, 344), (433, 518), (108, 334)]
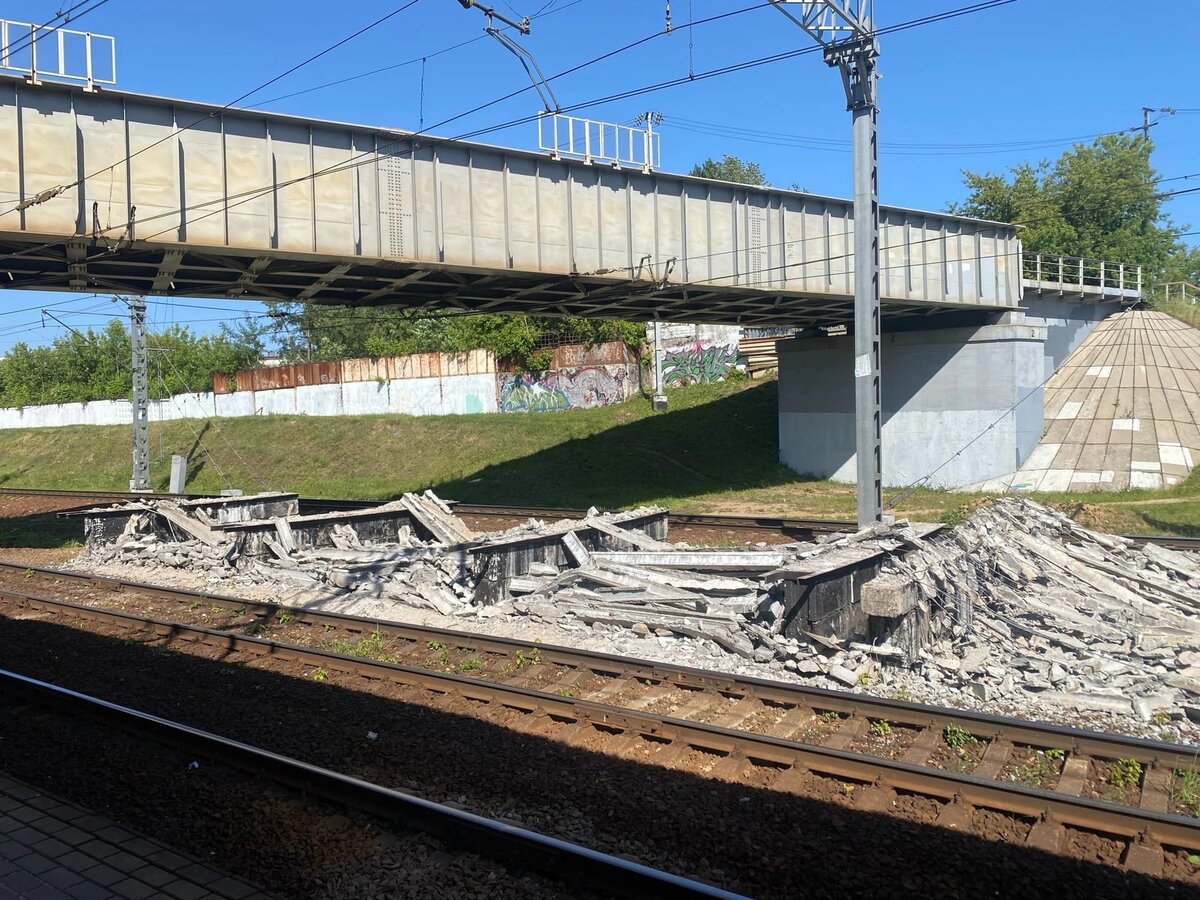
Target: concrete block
[(889, 596)]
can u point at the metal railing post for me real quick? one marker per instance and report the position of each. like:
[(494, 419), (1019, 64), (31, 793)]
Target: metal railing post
[(1103, 283), (1081, 275), (1139, 287), (1121, 278)]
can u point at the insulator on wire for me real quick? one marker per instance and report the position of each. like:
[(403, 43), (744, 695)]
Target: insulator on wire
[(668, 16)]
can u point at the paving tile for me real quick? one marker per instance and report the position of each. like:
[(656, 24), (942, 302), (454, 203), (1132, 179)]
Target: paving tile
[(51, 847), (104, 875), (73, 836), (198, 873), (231, 888), (20, 882), (35, 863), (185, 890), (89, 890), (154, 876), (132, 889), (76, 860), (98, 848), (124, 861), (140, 846), (61, 878)]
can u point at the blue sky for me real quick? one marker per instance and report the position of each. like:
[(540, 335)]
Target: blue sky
[(981, 92)]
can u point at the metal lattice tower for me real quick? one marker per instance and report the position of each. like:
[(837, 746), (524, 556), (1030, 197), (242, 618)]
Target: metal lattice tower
[(141, 396), (845, 28)]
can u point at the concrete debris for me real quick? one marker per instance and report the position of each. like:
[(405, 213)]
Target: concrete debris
[(1018, 609)]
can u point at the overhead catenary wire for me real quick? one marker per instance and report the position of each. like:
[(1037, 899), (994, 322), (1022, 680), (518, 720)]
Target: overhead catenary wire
[(40, 32), (342, 42)]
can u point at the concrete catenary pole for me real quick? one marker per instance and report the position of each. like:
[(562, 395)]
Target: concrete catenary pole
[(845, 28), (141, 396)]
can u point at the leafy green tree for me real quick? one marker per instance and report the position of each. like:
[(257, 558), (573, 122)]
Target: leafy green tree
[(1096, 200), (308, 332), (730, 168), (95, 365)]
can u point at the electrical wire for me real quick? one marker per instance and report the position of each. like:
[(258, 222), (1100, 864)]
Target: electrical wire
[(48, 27), (126, 160)]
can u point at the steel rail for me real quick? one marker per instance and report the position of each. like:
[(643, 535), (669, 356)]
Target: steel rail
[(782, 525), (1081, 741), (553, 857), (886, 776)]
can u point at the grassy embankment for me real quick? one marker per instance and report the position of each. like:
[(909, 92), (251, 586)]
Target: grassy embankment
[(715, 451)]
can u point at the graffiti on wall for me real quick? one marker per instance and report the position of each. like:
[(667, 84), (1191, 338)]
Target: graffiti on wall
[(564, 389), (697, 363)]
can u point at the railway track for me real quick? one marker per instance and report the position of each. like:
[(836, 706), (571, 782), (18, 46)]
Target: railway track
[(761, 732), (595, 873), (796, 528)]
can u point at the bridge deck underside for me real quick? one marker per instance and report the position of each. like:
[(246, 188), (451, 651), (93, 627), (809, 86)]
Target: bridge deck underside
[(173, 270)]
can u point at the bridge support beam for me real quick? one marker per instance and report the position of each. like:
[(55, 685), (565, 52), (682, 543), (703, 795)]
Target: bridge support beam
[(959, 405)]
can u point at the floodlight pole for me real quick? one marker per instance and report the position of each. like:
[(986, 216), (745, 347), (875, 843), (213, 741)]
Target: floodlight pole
[(845, 28)]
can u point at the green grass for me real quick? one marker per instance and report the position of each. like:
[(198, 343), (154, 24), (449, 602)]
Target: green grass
[(716, 450), (1183, 311)]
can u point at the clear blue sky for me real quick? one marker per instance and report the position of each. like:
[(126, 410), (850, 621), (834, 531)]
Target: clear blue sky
[(1018, 82)]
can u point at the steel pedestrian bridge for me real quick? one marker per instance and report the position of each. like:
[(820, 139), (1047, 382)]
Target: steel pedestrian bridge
[(110, 191)]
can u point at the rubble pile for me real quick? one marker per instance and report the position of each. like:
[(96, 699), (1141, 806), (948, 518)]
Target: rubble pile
[(1018, 608), (1033, 604)]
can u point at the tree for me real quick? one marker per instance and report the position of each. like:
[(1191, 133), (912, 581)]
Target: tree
[(306, 332), (730, 168), (1098, 200)]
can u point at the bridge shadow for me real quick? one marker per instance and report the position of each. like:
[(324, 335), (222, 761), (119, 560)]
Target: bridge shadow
[(727, 444), (762, 842)]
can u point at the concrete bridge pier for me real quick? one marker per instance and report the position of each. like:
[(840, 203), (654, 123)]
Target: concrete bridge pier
[(948, 403)]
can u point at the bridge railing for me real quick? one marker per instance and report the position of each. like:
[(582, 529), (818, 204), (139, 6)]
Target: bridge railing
[(598, 142), (1180, 292), (1076, 273), (60, 54)]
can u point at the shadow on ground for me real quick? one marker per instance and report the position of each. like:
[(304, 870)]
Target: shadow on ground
[(729, 444), (763, 842)]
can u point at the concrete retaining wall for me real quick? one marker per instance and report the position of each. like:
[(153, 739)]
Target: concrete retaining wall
[(944, 391), (450, 395)]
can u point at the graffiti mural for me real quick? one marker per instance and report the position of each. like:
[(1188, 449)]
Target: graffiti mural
[(697, 363), (564, 389)]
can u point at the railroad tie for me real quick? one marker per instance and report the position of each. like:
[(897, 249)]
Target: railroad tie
[(850, 729), (739, 713), (653, 694), (1074, 776), (698, 704), (730, 767), (1145, 856), (1046, 834), (922, 748), (1156, 792), (793, 722), (993, 759), (955, 815)]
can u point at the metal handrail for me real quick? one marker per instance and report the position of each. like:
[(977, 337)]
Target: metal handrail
[(19, 43), (1081, 273), (1183, 291), (599, 142)]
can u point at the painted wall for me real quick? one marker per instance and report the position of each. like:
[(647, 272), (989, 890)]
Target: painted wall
[(948, 398), (580, 388), (696, 354)]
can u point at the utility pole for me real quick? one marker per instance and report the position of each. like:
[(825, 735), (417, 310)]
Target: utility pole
[(1147, 124), (846, 30), (141, 396)]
